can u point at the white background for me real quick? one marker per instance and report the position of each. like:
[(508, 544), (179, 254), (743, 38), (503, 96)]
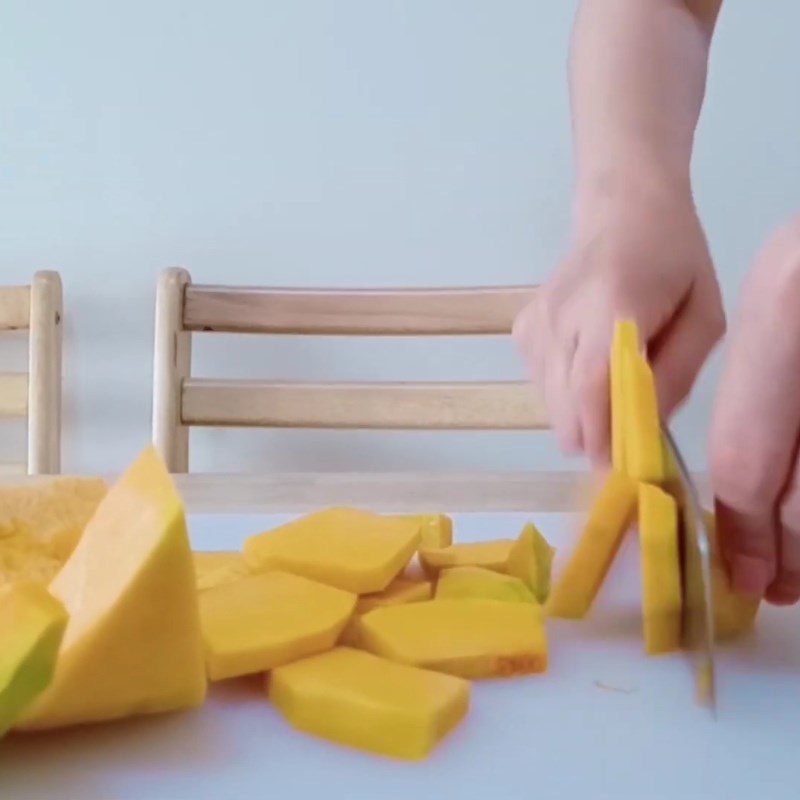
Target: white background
[(339, 143)]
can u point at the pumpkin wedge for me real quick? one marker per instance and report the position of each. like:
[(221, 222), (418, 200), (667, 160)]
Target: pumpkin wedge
[(357, 699)]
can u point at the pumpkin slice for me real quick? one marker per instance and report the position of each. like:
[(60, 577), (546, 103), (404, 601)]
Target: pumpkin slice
[(133, 643), (530, 560), (32, 623), (218, 568), (583, 575), (477, 582), (353, 550), (262, 621), (644, 455), (489, 555), (436, 530), (626, 340), (661, 571), (468, 638), (357, 699), (400, 590)]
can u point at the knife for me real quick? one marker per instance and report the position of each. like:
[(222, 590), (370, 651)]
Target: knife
[(695, 549)]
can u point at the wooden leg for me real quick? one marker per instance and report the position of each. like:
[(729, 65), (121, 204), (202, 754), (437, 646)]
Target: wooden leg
[(44, 383), (171, 364)]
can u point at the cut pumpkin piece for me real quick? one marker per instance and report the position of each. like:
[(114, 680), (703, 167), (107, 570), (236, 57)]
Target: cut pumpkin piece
[(41, 524), (626, 340), (400, 590), (468, 638), (661, 571), (609, 517), (357, 699), (734, 613), (262, 621), (54, 512), (530, 560), (218, 568), (24, 558), (133, 643), (477, 582), (436, 530), (644, 455), (353, 550), (489, 555), (32, 623)]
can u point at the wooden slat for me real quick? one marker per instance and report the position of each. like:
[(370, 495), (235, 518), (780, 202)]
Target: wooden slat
[(15, 308), (13, 394), (453, 406), (387, 492), (489, 310)]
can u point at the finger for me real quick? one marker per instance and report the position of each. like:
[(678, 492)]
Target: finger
[(530, 334), (756, 422), (748, 544), (524, 324), (548, 355), (590, 386), (685, 344), (558, 396), (785, 589)]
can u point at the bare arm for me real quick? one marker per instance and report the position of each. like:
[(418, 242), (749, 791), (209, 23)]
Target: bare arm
[(637, 74)]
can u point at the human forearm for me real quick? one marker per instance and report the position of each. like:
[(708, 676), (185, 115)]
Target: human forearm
[(638, 250), (637, 75)]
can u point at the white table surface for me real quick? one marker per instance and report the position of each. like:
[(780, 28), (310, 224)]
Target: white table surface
[(605, 722)]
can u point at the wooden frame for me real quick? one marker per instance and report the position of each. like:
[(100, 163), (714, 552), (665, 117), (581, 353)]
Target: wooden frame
[(181, 401), (37, 308)]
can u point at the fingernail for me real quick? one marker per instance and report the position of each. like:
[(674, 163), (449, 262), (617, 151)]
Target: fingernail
[(750, 575), (785, 589), (780, 597)]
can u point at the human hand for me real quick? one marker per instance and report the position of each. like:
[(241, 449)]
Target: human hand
[(632, 257), (756, 428)]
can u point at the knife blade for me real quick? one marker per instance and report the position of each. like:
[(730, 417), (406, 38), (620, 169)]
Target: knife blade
[(698, 599)]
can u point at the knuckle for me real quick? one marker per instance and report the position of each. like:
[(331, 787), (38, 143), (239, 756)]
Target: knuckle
[(543, 310), (519, 330), (556, 318), (742, 480), (567, 432), (716, 324), (789, 516), (569, 443), (525, 320)]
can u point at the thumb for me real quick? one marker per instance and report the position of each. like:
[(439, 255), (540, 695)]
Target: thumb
[(683, 347)]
